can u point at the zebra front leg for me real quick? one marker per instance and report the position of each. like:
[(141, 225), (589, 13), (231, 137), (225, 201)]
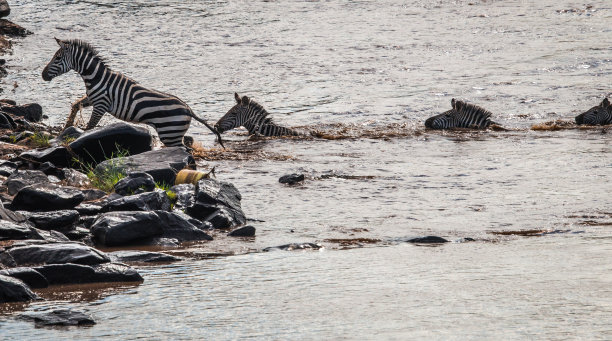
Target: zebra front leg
[(96, 115), (76, 106)]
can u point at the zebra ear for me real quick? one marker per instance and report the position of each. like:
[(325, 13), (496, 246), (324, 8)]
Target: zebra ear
[(59, 42), (237, 97), (245, 100), (453, 103)]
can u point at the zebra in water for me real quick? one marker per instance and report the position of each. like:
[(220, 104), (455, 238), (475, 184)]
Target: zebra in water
[(598, 115), (251, 115), (112, 92), (462, 115)]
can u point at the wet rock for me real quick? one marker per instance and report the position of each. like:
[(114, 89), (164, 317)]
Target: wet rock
[(29, 276), (93, 194), (428, 240), (52, 236), (11, 29), (246, 231), (185, 195), (14, 290), (78, 234), (47, 197), (95, 146), (10, 230), (25, 178), (130, 256), (6, 121), (31, 112), (69, 134), (60, 317), (5, 10), (162, 164), (54, 220), (7, 168), (148, 201), (115, 272), (134, 181), (74, 178), (49, 169), (88, 209), (176, 226), (291, 179), (54, 253), (216, 201), (11, 216), (295, 246)]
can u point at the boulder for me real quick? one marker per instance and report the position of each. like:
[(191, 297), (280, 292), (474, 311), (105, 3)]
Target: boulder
[(217, 201), (31, 112), (53, 220), (60, 317), (47, 197), (162, 164), (95, 146), (136, 227), (79, 273), (134, 181), (10, 230), (291, 179), (74, 178), (7, 168), (5, 10), (53, 253), (21, 179), (246, 231), (29, 276), (14, 290), (148, 201), (131, 256), (93, 194), (428, 240)]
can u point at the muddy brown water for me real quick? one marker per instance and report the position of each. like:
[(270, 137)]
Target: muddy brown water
[(365, 75)]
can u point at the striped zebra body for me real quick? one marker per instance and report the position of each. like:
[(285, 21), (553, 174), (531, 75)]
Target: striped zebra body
[(462, 115), (251, 115), (112, 92), (599, 115)]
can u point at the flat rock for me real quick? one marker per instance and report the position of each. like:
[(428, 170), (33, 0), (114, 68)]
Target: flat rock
[(427, 240), (246, 231), (131, 256), (148, 201), (60, 317), (24, 178), (162, 164), (133, 182), (14, 290), (47, 197), (291, 179), (54, 253), (53, 220), (29, 276), (88, 209), (10, 230), (14, 217)]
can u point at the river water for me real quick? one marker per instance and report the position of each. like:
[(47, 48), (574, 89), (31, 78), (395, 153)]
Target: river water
[(367, 74)]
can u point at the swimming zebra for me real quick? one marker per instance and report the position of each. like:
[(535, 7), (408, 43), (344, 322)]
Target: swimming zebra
[(462, 115), (251, 115), (598, 115), (110, 91)]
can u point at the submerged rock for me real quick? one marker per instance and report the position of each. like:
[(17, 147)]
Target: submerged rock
[(55, 253), (291, 179), (428, 240), (24, 178), (14, 290), (295, 246), (246, 231), (162, 164), (60, 317), (134, 181), (47, 197)]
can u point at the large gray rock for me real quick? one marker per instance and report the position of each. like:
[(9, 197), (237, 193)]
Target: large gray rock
[(148, 201), (47, 197), (14, 290), (162, 164), (11, 231), (54, 220), (95, 146), (60, 317), (55, 253), (133, 182), (218, 201), (24, 178), (78, 273)]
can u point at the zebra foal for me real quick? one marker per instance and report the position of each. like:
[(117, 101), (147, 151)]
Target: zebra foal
[(251, 115), (112, 92), (462, 115)]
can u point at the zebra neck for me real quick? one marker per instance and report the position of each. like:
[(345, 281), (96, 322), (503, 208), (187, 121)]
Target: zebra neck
[(92, 70)]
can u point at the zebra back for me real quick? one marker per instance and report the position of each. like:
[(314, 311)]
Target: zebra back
[(462, 115), (597, 115)]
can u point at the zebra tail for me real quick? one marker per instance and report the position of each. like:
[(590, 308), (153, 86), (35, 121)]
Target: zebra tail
[(209, 127)]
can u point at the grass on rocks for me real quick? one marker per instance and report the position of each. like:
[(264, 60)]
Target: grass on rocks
[(40, 140), (106, 178)]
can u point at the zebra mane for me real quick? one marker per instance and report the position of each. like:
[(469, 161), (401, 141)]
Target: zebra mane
[(464, 108), (87, 47), (263, 112)]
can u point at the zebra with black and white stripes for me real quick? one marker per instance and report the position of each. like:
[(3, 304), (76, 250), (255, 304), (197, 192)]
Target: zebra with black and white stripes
[(112, 92), (462, 115), (598, 115), (251, 115)]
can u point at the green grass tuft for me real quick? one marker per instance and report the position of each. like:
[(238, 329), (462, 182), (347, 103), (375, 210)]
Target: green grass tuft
[(110, 175), (40, 140)]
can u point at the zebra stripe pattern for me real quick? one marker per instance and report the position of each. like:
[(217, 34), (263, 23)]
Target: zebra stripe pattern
[(462, 115), (251, 115), (113, 92), (599, 115)]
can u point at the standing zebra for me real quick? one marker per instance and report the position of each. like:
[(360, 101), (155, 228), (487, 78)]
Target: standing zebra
[(110, 91), (598, 115), (251, 115), (462, 115)]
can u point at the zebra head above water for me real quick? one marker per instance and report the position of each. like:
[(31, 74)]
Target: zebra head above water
[(598, 115), (462, 115), (251, 115)]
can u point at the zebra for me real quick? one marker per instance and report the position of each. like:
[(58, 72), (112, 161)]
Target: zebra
[(462, 115), (112, 92), (251, 115), (598, 115)]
